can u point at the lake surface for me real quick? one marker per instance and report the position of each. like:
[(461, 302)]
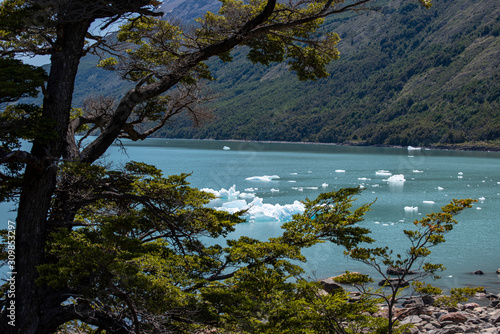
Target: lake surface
[(273, 177)]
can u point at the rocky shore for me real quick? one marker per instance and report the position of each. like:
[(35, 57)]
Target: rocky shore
[(481, 314), (465, 318)]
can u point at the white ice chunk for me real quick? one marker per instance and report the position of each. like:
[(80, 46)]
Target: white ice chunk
[(383, 173), (363, 179), (251, 189), (293, 173), (398, 178), (417, 171), (265, 178), (428, 202), (247, 195), (481, 199), (292, 181), (440, 188), (262, 211), (340, 171), (411, 148), (275, 190), (411, 208), (257, 210), (229, 194), (324, 185), (239, 204), (226, 148), (460, 173)]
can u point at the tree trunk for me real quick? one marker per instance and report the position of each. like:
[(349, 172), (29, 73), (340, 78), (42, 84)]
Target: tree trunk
[(40, 182)]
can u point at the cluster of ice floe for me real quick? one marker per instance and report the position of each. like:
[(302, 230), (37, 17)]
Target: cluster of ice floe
[(231, 200)]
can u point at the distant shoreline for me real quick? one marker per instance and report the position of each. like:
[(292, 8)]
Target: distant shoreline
[(446, 147)]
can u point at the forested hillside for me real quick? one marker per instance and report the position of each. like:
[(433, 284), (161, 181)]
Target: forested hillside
[(407, 76)]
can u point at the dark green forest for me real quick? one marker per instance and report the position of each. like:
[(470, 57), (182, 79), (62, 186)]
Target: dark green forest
[(406, 76)]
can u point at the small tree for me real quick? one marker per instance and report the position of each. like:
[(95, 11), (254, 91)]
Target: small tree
[(429, 233)]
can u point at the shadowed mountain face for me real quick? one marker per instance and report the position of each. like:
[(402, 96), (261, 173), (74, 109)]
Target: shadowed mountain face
[(407, 76), (190, 9)]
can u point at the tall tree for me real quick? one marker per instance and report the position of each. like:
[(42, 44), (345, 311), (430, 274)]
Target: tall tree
[(166, 64)]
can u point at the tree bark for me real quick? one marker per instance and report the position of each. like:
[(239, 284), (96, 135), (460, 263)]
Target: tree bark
[(40, 181)]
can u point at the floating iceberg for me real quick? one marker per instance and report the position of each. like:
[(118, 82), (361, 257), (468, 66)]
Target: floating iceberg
[(229, 194), (428, 202), (382, 172), (440, 188), (398, 178), (411, 148), (363, 179), (324, 185), (411, 208), (340, 171), (275, 190), (226, 148), (265, 178), (417, 171), (259, 211)]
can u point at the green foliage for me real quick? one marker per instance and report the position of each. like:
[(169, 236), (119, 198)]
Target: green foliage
[(141, 249), (19, 122), (456, 295), (19, 80)]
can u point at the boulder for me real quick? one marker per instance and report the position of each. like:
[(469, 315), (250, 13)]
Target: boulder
[(330, 286), (394, 282), (412, 319), (455, 317), (399, 271), (478, 272), (471, 306), (413, 302), (498, 271)]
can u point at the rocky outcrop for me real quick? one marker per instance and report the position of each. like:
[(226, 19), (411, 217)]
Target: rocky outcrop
[(399, 271), (465, 318), (330, 286)]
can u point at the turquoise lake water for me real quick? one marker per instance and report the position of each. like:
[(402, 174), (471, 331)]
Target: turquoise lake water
[(273, 177)]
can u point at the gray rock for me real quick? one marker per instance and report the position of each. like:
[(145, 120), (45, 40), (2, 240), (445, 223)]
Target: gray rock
[(451, 330), (399, 271), (412, 319), (394, 282), (478, 272), (330, 285)]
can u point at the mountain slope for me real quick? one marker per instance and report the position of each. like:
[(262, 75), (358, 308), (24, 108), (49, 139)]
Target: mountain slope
[(407, 76)]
